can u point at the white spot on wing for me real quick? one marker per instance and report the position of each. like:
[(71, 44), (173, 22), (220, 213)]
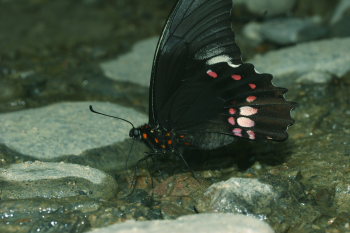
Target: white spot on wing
[(245, 122), (247, 111), (233, 65), (218, 59)]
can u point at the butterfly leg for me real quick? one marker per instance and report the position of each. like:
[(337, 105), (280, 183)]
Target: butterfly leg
[(134, 180), (188, 167)]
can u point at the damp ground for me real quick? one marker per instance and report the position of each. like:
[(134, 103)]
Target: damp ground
[(50, 53)]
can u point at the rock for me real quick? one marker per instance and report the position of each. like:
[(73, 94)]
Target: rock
[(65, 128), (218, 223), (54, 180), (340, 10), (314, 77), (134, 66), (331, 57), (340, 20), (285, 31), (238, 195), (265, 198), (269, 7), (252, 31)]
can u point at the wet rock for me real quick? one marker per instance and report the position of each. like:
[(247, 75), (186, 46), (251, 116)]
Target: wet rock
[(134, 66), (47, 215), (331, 57), (65, 129), (274, 199), (54, 180), (285, 31), (218, 223)]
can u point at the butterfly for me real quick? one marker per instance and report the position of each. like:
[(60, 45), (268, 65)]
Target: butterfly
[(201, 93)]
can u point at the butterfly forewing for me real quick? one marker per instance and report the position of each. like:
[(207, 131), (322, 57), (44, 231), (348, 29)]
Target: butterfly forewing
[(196, 32)]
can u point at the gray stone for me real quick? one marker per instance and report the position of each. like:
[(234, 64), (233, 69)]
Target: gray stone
[(285, 31), (204, 223), (54, 180), (252, 31), (314, 77), (327, 56), (271, 7), (239, 195), (265, 198), (65, 128), (134, 66)]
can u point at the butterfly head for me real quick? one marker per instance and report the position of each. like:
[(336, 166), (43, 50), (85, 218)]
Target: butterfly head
[(135, 133)]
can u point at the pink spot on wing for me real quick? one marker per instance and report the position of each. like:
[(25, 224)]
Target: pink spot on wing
[(251, 98), (236, 77), (251, 134), (232, 111), (252, 85), (237, 132), (212, 74), (232, 120), (247, 111), (245, 122)]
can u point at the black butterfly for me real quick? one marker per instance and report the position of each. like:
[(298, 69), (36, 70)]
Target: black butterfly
[(201, 93)]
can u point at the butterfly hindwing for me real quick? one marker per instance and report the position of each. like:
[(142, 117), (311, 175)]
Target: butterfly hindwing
[(248, 105)]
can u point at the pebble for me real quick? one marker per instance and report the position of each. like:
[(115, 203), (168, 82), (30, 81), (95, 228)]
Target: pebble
[(340, 10), (204, 223), (134, 66), (284, 31), (264, 198), (238, 195), (54, 180), (67, 128)]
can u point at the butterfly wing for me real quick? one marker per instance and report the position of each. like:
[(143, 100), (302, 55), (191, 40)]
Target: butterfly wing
[(201, 89), (196, 32)]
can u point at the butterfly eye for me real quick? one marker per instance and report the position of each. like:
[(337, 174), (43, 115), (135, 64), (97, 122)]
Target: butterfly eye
[(134, 133)]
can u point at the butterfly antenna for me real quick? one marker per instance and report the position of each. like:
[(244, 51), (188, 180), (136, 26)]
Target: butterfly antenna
[(93, 110)]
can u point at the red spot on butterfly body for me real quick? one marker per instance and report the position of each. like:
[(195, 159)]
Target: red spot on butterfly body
[(236, 77), (212, 74)]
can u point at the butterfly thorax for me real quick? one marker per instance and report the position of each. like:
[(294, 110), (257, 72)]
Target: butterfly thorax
[(160, 140)]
